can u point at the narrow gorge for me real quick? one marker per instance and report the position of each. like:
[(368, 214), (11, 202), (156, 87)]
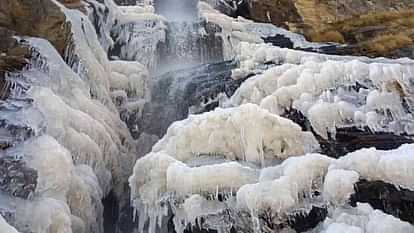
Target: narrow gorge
[(210, 116)]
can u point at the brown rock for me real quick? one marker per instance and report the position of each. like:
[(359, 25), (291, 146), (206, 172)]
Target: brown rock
[(373, 28), (38, 18), (13, 56)]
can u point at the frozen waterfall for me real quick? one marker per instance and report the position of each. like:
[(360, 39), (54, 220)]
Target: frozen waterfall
[(178, 10), (172, 117)]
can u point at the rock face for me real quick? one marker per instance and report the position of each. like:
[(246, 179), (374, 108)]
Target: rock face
[(393, 200), (374, 28), (12, 57), (16, 178), (39, 18), (126, 2)]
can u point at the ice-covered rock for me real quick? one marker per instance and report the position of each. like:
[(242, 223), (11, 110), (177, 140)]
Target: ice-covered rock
[(231, 133), (222, 135), (5, 227), (363, 219), (331, 91), (392, 166), (62, 123)]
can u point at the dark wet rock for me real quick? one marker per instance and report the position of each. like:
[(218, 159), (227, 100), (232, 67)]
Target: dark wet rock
[(306, 221), (393, 200), (280, 41), (12, 134), (196, 88), (16, 178), (326, 48), (350, 139), (232, 8), (197, 229), (297, 221), (126, 2), (404, 52), (297, 117)]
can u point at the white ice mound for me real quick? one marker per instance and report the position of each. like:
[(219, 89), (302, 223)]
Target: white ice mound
[(333, 93), (246, 133), (218, 191), (44, 215), (282, 188), (394, 166), (54, 165), (131, 77), (253, 56), (80, 148), (363, 219), (5, 227), (226, 145)]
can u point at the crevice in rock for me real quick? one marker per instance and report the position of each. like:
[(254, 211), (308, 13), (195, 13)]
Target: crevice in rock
[(110, 214), (307, 221), (393, 200), (349, 139)]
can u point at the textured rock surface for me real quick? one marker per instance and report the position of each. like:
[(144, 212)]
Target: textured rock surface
[(16, 178), (126, 2), (39, 18), (368, 26), (393, 200)]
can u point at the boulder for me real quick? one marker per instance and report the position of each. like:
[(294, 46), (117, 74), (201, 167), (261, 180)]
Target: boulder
[(37, 18)]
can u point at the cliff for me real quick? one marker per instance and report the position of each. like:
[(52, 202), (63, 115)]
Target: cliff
[(373, 28)]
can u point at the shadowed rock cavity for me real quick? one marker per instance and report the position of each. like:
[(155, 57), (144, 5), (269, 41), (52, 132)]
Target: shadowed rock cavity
[(349, 139), (393, 200)]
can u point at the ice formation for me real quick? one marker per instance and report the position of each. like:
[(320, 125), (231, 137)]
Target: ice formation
[(244, 166), (322, 88), (363, 219), (137, 32), (79, 146), (392, 166), (331, 91), (131, 77), (236, 30), (211, 169), (5, 227), (232, 134), (178, 165), (44, 215), (294, 186)]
